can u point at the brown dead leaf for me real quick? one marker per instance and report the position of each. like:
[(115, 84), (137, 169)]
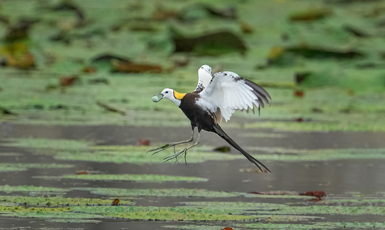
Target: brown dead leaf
[(143, 142), (310, 14), (68, 80), (299, 93), (115, 202), (317, 194), (211, 44), (161, 14), (246, 28), (88, 69), (25, 61), (82, 173), (130, 67)]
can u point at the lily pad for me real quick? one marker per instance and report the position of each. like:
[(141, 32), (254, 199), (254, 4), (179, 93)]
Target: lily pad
[(130, 177)]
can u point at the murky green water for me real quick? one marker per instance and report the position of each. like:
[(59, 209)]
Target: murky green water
[(214, 191)]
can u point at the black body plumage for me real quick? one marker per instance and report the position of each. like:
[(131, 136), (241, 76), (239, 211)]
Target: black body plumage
[(202, 119)]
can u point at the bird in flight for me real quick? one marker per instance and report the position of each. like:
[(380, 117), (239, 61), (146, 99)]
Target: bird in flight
[(216, 97)]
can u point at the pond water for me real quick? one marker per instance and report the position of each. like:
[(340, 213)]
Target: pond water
[(342, 164)]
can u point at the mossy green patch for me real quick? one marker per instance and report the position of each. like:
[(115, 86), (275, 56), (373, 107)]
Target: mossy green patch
[(327, 210), (30, 188), (69, 220), (181, 192), (49, 213), (234, 207), (40, 143), (139, 155), (58, 201), (182, 214), (84, 151), (6, 167), (133, 177), (292, 210), (162, 213), (316, 225)]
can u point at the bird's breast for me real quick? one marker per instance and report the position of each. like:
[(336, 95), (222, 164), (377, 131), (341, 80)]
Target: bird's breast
[(199, 115)]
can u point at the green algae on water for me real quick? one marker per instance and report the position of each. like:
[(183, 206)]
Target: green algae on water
[(30, 188), (139, 155), (58, 201), (173, 192), (6, 167), (164, 213), (40, 143), (133, 177), (316, 225)]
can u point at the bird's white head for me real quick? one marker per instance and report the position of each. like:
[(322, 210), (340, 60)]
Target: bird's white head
[(205, 68), (169, 94)]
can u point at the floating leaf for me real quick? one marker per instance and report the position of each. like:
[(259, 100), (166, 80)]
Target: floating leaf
[(314, 52), (210, 44), (310, 14), (130, 67)]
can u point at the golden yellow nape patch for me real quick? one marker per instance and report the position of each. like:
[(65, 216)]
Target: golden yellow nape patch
[(178, 96)]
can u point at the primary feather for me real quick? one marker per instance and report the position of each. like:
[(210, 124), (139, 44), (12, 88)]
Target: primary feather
[(205, 76), (228, 92)]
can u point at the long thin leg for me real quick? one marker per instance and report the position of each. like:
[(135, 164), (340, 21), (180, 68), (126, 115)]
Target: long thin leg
[(176, 155), (173, 144)]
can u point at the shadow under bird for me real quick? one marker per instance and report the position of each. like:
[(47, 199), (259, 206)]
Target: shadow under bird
[(215, 98)]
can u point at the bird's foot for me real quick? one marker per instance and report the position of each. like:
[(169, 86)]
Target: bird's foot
[(161, 148), (176, 156)]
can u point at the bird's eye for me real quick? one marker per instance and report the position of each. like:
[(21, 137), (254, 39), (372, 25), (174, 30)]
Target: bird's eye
[(166, 92)]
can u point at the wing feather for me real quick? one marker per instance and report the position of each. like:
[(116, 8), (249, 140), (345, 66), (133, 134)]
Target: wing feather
[(228, 92), (205, 76)]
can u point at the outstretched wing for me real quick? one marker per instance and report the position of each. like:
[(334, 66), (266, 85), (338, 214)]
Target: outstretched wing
[(229, 92), (204, 74)]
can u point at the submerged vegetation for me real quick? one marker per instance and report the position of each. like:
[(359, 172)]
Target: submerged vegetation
[(70, 63)]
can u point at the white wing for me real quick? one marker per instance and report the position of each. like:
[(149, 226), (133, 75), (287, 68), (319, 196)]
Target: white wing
[(229, 92), (204, 74)]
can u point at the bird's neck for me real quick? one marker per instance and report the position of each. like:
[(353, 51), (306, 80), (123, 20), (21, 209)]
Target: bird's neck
[(177, 99)]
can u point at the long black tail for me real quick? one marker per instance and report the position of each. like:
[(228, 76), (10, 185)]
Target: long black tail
[(218, 130)]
